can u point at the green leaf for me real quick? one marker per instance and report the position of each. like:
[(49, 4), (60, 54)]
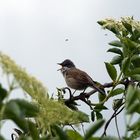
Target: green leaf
[(117, 103), (12, 110), (29, 109), (61, 134), (135, 135), (130, 96), (25, 138), (21, 108), (15, 112), (136, 34), (21, 123), (115, 50), (135, 71), (83, 117), (131, 45), (33, 131), (74, 135), (136, 60), (136, 77), (1, 138), (46, 138), (111, 71), (113, 29), (100, 107), (101, 97), (116, 60), (96, 126), (138, 94), (72, 106), (135, 107), (3, 93), (132, 100), (135, 125), (93, 116), (101, 22), (125, 65), (99, 115), (127, 26), (116, 92), (116, 43), (108, 26)]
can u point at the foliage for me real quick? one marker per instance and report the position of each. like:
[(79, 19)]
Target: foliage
[(43, 117), (45, 111), (127, 55)]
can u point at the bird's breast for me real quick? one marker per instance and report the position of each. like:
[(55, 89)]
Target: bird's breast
[(74, 84)]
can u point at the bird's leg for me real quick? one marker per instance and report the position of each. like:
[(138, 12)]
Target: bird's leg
[(83, 91), (74, 92)]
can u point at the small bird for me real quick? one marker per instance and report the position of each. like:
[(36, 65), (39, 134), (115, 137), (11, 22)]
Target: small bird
[(76, 78)]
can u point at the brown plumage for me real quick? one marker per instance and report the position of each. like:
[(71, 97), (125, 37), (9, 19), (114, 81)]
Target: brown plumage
[(77, 79)]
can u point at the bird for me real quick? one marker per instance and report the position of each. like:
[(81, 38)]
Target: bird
[(76, 78)]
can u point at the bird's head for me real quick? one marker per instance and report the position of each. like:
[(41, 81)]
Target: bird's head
[(67, 63)]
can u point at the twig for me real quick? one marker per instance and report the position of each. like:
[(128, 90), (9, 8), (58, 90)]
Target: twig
[(73, 128), (83, 128), (116, 123), (70, 93), (14, 135), (113, 115)]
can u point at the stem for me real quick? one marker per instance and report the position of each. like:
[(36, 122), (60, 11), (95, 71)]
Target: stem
[(73, 128), (118, 79), (116, 112), (83, 128), (127, 123), (115, 84), (116, 123), (14, 135)]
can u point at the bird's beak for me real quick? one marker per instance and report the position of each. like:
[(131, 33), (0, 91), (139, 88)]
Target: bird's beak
[(60, 65)]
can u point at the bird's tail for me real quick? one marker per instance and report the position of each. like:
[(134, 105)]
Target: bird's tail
[(98, 87)]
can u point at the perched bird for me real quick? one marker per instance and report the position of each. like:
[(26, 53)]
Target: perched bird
[(76, 78)]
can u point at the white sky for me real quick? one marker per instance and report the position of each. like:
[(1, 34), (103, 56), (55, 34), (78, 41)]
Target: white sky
[(33, 33)]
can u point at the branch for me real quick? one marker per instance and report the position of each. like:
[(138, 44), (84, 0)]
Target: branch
[(116, 123), (113, 115), (84, 96)]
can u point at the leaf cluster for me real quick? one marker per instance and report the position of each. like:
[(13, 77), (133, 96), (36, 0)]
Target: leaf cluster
[(41, 113), (126, 50)]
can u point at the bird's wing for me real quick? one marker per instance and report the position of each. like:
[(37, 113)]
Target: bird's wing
[(81, 76)]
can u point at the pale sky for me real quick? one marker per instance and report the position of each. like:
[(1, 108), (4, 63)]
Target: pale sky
[(33, 33)]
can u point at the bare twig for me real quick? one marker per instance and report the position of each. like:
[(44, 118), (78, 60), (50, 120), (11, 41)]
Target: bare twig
[(70, 93), (116, 123), (83, 128), (15, 135), (73, 128), (113, 115)]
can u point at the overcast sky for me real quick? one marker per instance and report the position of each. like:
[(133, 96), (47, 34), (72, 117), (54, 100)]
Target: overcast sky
[(33, 33)]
